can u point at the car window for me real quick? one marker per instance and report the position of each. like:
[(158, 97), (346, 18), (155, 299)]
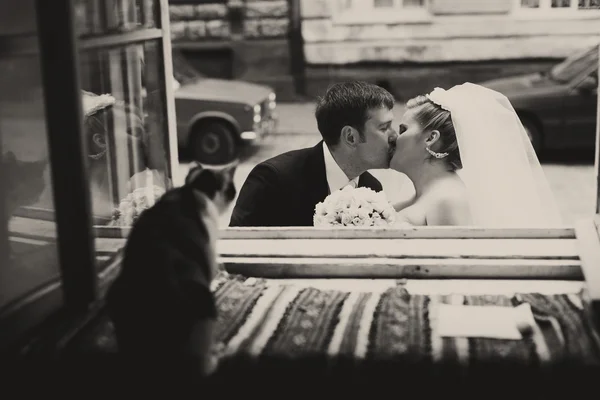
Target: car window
[(574, 65), (183, 71)]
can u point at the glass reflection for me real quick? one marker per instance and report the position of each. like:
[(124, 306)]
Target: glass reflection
[(125, 130), (97, 17), (29, 250)]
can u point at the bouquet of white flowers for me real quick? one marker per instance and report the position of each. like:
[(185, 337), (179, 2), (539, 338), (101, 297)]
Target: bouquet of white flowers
[(132, 206), (354, 207)]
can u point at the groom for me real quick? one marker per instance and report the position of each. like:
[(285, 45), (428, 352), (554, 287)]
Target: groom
[(355, 121)]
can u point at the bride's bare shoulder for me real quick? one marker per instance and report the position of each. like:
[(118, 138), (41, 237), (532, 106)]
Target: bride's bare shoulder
[(448, 204), (447, 189)]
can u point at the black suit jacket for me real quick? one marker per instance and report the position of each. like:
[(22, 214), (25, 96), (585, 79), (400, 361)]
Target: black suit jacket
[(284, 190)]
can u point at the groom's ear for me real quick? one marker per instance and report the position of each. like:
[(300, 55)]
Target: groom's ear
[(349, 135), (433, 137)]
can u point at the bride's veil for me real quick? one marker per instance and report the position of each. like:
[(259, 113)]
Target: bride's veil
[(503, 176)]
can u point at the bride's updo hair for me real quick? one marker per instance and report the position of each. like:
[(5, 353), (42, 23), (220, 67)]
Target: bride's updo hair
[(433, 117)]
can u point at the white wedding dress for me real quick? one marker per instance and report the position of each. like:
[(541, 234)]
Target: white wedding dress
[(506, 185)]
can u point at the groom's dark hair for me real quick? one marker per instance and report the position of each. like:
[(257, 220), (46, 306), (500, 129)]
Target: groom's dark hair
[(348, 103)]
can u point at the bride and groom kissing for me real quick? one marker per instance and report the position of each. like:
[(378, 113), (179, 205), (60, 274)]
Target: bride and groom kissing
[(464, 149)]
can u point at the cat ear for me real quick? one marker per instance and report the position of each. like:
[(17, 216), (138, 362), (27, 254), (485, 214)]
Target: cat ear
[(193, 171)]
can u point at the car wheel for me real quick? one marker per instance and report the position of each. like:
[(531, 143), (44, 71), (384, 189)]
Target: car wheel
[(534, 134), (213, 143)]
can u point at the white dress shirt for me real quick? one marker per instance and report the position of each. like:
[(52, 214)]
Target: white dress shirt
[(336, 178)]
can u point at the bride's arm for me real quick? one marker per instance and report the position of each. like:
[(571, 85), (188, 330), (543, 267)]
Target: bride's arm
[(410, 216), (402, 221)]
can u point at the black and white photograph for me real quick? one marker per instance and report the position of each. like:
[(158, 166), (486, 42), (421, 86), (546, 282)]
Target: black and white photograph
[(227, 196)]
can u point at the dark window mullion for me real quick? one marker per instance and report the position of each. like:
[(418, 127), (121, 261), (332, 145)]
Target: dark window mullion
[(597, 152), (62, 97)]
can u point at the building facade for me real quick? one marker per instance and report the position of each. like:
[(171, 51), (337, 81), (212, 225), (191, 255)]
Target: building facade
[(236, 39), (408, 46), (413, 45)]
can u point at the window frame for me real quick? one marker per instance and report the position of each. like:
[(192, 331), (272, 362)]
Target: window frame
[(546, 11), (81, 282), (597, 148), (366, 15)]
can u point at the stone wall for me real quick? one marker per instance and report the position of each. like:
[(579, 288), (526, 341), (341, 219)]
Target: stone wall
[(457, 41), (476, 31), (254, 48), (192, 22), (261, 20)]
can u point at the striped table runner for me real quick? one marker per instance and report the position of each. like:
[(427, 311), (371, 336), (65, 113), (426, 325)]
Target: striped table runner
[(379, 333), (328, 329)]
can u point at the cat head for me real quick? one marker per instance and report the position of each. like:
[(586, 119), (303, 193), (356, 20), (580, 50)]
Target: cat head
[(216, 183)]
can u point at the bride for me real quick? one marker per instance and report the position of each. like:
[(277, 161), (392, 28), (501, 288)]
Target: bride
[(471, 162)]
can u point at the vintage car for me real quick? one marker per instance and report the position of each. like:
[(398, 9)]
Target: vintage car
[(557, 106), (213, 113)]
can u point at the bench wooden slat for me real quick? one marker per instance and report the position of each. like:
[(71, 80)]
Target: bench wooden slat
[(366, 233), (589, 251), (400, 248), (47, 214), (406, 233), (38, 227), (111, 231), (403, 268), (489, 287), (47, 227), (109, 245), (451, 248)]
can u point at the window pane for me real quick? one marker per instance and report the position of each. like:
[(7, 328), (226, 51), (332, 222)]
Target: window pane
[(383, 3), (126, 129), (413, 3), (16, 17), (28, 241), (574, 65), (346, 5), (530, 3), (96, 17), (589, 4), (561, 3)]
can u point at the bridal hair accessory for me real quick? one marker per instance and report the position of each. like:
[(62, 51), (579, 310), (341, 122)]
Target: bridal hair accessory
[(93, 103), (439, 96), (435, 154)]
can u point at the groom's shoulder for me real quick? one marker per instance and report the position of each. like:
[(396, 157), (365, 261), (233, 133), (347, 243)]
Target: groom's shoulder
[(288, 161)]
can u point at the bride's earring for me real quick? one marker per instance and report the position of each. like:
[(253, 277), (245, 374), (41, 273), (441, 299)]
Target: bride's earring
[(436, 155)]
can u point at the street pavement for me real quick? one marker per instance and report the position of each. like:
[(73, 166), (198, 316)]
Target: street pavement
[(572, 180)]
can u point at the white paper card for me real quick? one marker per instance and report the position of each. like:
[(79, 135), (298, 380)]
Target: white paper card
[(484, 321)]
